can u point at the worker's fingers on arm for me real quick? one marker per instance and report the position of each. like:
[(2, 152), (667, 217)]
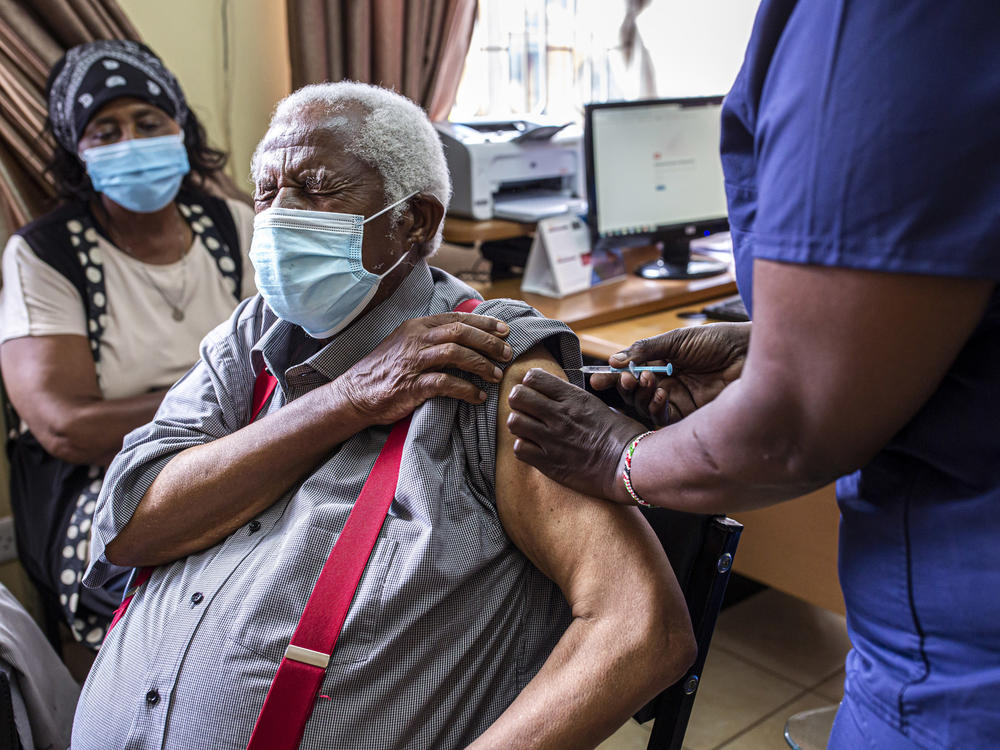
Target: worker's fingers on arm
[(529, 452), (548, 384), (528, 401), (525, 426)]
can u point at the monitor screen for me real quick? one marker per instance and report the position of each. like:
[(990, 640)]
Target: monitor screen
[(653, 170)]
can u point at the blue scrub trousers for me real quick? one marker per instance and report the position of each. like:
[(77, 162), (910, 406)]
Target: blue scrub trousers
[(856, 728)]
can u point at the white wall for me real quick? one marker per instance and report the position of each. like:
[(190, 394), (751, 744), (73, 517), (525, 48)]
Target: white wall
[(189, 36)]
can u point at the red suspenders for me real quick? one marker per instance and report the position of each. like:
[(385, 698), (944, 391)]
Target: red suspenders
[(292, 696), (290, 700)]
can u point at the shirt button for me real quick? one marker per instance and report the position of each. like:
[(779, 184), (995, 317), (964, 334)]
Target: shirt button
[(152, 697), (196, 597), (254, 527)]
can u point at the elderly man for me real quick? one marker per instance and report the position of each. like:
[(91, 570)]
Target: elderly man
[(497, 607)]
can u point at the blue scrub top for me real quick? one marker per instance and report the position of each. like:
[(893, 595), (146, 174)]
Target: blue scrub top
[(866, 134)]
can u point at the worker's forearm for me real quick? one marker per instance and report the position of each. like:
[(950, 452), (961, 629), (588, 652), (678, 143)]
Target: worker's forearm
[(598, 675), (747, 449), (205, 493), (92, 431)]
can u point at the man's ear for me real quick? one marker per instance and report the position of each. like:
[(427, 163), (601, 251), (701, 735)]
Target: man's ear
[(428, 213)]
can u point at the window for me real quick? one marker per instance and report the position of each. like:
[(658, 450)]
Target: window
[(550, 57), (542, 57)]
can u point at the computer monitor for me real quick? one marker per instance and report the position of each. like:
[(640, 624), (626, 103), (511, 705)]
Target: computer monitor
[(654, 176)]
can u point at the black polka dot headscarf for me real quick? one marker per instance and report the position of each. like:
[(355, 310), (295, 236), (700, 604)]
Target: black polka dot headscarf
[(92, 74)]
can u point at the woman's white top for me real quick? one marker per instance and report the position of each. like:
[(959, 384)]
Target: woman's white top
[(143, 348)]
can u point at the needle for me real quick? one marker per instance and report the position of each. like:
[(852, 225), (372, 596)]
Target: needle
[(633, 368)]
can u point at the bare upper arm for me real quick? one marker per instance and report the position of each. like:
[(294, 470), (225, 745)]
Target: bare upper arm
[(596, 552), (847, 357), (45, 374)]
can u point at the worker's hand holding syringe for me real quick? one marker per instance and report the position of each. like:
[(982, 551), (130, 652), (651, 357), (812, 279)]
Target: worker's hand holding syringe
[(551, 418), (664, 378)]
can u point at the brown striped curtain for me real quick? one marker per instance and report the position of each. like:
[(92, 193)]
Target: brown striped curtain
[(416, 47), (33, 35)]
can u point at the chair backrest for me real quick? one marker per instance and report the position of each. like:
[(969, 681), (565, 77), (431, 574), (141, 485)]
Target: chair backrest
[(9, 739), (701, 550)]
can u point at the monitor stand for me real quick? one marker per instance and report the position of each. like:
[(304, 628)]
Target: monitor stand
[(675, 263)]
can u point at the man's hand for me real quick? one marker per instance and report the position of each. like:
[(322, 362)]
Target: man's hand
[(570, 435), (705, 358), (408, 367)]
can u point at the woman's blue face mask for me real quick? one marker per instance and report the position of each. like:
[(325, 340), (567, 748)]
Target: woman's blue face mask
[(140, 174), (309, 269)]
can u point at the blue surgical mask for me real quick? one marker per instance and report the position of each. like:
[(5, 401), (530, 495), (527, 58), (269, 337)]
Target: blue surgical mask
[(141, 174), (309, 268)]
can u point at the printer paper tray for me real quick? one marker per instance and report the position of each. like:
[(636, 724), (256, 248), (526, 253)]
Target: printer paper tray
[(534, 205)]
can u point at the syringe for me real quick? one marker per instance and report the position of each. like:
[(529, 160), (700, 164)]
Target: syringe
[(633, 368)]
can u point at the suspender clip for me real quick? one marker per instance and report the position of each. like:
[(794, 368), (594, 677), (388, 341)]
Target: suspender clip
[(307, 656)]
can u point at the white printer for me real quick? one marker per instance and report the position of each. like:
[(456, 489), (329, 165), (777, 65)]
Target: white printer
[(514, 169)]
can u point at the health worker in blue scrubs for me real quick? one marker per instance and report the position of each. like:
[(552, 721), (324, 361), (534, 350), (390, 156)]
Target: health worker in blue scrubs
[(861, 147)]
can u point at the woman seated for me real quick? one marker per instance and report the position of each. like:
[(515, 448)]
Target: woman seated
[(105, 300)]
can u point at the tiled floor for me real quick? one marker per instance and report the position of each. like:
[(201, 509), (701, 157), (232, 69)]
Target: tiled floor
[(772, 656)]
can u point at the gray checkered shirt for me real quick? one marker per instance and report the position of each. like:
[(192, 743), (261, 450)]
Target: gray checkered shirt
[(450, 620)]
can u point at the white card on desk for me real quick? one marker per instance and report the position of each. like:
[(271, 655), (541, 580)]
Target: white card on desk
[(559, 262)]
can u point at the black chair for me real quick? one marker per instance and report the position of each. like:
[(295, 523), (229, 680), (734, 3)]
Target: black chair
[(9, 739), (701, 550), (51, 614)]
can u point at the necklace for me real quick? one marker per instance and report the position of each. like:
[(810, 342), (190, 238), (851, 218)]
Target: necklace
[(176, 306)]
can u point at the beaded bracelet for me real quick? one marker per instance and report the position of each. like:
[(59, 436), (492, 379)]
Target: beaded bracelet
[(627, 471)]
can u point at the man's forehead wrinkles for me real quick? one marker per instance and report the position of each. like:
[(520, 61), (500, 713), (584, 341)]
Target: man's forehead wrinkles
[(308, 129), (320, 152), (297, 156), (298, 147), (296, 139)]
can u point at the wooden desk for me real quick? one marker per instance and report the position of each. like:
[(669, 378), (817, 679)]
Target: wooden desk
[(792, 546), (617, 300), (608, 302), (601, 341), (472, 232)]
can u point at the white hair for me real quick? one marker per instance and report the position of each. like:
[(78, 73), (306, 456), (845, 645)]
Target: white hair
[(396, 138)]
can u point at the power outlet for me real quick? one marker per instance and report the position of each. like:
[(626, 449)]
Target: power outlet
[(8, 550)]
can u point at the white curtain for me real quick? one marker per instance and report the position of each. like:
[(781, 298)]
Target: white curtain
[(634, 49)]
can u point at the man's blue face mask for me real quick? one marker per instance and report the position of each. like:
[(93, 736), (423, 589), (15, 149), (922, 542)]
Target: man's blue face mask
[(308, 266), (141, 174)]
